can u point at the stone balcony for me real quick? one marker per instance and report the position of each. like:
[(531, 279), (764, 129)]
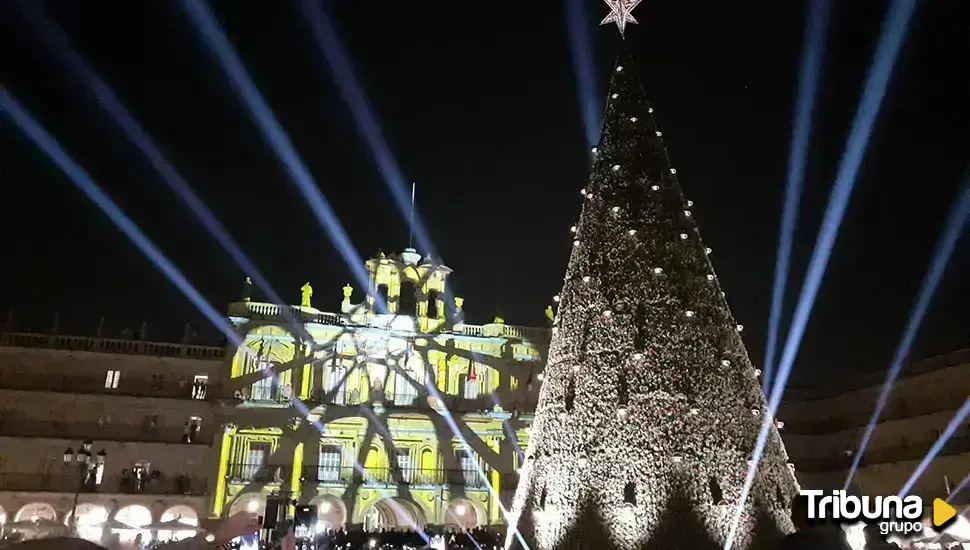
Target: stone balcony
[(113, 485), (110, 345), (267, 312)]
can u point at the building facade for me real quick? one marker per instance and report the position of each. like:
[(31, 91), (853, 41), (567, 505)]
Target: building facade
[(393, 413), (389, 413), (143, 408), (823, 432)]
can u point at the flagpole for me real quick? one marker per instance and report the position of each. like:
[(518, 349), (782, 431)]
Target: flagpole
[(411, 220)]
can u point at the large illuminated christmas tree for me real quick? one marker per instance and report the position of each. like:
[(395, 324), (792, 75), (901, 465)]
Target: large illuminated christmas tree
[(650, 408)]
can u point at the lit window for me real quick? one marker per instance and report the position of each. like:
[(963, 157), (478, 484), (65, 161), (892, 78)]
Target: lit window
[(112, 379), (331, 457), (200, 387)]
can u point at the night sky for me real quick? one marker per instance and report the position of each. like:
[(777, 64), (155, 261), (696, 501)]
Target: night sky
[(478, 103)]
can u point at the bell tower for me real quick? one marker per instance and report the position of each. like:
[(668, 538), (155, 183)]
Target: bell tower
[(408, 284)]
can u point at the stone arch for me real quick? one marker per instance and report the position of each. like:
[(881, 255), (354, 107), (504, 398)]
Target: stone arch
[(407, 298), (464, 513), (331, 511), (91, 518), (248, 502), (394, 513), (184, 520), (135, 516), (36, 511)]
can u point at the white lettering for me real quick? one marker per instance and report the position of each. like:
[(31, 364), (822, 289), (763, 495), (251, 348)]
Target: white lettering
[(874, 512), (811, 501), (892, 514), (892, 507), (850, 506), (914, 507), (821, 506)]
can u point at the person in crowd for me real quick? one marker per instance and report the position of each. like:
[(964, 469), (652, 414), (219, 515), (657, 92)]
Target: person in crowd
[(811, 534), (875, 540)]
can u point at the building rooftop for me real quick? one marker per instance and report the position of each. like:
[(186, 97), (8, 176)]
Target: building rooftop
[(110, 345), (867, 380)]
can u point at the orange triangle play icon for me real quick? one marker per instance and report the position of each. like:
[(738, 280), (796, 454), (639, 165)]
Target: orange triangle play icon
[(942, 512)]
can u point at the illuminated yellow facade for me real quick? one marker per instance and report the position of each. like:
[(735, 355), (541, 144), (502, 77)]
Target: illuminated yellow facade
[(412, 416)]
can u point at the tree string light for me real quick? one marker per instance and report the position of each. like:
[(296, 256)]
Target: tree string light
[(649, 404)]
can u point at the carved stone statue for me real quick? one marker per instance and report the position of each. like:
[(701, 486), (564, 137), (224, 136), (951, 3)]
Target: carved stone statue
[(306, 293), (348, 290), (247, 292)]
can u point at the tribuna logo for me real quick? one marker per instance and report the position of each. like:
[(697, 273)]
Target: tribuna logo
[(893, 514)]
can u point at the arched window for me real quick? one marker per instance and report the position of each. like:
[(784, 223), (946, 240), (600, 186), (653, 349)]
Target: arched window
[(717, 495), (623, 390), (585, 339), (570, 394), (380, 301), (630, 494), (407, 300), (640, 327), (433, 304)]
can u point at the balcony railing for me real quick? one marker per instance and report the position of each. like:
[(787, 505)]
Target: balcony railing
[(130, 387), (272, 312), (347, 475), (454, 403), (257, 473), (48, 483), (110, 345), (15, 426), (954, 446)]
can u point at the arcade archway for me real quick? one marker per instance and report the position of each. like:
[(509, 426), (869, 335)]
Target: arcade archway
[(394, 513)]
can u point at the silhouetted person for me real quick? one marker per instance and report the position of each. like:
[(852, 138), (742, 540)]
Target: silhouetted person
[(875, 540), (811, 534)]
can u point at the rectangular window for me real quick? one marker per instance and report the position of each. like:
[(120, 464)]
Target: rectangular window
[(256, 457), (336, 383), (112, 379), (404, 463), (469, 471), (200, 387), (330, 462), (264, 390), (404, 390), (469, 388)]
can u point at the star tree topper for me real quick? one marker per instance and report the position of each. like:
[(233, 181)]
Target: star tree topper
[(621, 13)]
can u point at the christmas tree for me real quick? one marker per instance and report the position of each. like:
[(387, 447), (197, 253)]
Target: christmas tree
[(650, 408)]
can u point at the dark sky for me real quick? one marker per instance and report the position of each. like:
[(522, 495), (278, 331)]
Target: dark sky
[(478, 103)]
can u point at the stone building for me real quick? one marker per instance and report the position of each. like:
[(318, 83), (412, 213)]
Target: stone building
[(143, 408), (823, 431), (411, 417)]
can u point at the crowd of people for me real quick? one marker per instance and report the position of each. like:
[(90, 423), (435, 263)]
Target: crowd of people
[(479, 538), (808, 535)]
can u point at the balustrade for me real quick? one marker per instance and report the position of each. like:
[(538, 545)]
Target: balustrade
[(63, 483), (12, 425), (109, 345)]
